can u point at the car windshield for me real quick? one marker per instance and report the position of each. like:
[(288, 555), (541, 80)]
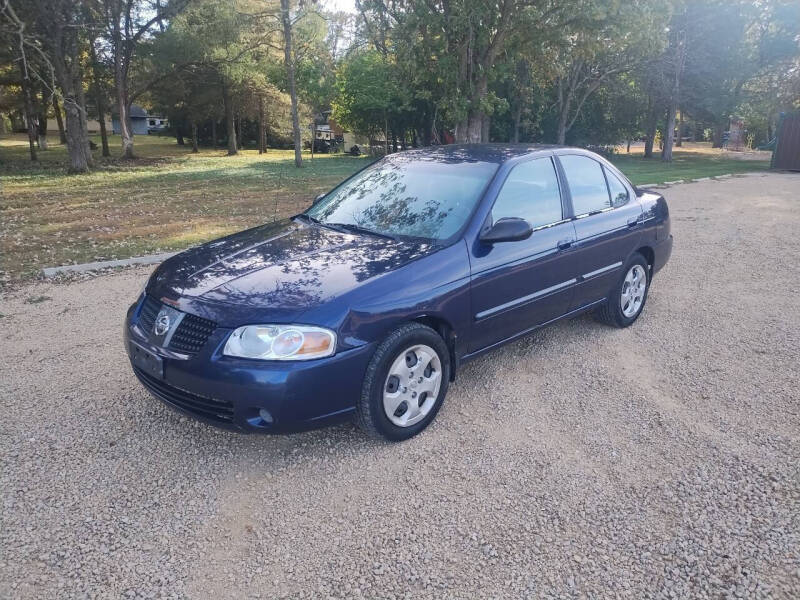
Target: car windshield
[(422, 197)]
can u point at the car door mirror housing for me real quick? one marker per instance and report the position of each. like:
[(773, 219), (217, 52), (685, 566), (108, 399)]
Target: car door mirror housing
[(509, 229)]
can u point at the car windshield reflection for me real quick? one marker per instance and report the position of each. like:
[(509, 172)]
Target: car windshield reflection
[(407, 196)]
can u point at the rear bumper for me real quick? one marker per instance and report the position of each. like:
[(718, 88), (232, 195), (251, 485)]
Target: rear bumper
[(231, 393), (662, 253)]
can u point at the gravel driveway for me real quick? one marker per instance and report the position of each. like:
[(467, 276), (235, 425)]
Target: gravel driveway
[(658, 461)]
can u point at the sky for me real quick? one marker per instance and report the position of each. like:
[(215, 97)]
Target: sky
[(343, 5)]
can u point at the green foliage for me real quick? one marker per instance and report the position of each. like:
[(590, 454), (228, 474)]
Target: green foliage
[(368, 93)]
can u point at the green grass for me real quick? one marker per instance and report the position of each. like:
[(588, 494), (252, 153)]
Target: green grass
[(692, 164), (165, 199), (168, 198)]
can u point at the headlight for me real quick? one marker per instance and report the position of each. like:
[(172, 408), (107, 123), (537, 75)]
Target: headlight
[(281, 342)]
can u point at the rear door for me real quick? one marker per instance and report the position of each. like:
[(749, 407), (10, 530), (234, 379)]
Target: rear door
[(607, 224), (518, 285)]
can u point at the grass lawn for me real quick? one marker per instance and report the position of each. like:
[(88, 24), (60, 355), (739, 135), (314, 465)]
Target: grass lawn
[(696, 161), (168, 198)]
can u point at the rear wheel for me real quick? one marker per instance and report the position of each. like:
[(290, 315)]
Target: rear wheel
[(626, 301), (405, 383)]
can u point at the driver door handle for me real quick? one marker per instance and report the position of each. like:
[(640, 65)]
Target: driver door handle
[(564, 244)]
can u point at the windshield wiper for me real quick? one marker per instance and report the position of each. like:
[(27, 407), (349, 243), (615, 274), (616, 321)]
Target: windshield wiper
[(359, 229), (307, 218)]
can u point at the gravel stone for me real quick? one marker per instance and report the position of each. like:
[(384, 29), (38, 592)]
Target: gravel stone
[(659, 461)]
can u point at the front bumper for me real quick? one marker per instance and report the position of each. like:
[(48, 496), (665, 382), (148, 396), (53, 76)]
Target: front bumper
[(231, 392)]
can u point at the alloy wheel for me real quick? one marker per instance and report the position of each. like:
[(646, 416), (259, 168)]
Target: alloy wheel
[(633, 290)]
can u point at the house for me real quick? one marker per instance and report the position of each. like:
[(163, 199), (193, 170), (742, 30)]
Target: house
[(92, 126), (142, 123)]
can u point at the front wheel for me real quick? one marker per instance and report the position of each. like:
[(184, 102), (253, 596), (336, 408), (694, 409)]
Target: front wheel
[(626, 301), (405, 383)]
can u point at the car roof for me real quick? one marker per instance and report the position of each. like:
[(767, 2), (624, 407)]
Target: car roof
[(492, 153)]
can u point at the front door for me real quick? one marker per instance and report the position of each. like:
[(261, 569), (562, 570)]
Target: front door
[(518, 285), (607, 225)]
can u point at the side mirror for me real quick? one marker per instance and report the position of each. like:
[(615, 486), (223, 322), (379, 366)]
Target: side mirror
[(317, 199), (509, 229)]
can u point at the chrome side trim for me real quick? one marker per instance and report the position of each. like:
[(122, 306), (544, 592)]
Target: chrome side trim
[(496, 309), (601, 270), (596, 212), (549, 225)]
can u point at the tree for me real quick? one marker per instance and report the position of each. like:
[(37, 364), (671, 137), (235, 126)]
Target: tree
[(286, 21), (127, 23), (51, 33), (607, 39), (366, 94), (674, 61), (465, 37)]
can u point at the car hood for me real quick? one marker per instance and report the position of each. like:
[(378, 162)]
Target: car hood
[(287, 266)]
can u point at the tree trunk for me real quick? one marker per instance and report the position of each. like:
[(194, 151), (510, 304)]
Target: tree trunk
[(41, 123), (226, 95), (125, 124), (562, 127), (485, 127), (669, 133), (195, 148), (262, 146), (77, 83), (101, 118), (716, 135), (289, 62), (313, 136), (470, 130), (679, 139), (28, 102), (517, 120), (650, 129), (179, 135), (62, 135), (214, 134), (75, 149), (239, 131), (99, 100)]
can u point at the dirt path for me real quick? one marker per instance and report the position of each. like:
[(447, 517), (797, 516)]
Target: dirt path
[(658, 461)]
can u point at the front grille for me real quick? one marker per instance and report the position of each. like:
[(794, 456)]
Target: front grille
[(219, 411), (190, 336)]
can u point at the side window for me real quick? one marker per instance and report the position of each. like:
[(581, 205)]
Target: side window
[(530, 192), (619, 193), (586, 183)]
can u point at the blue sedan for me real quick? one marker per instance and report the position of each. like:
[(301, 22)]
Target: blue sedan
[(366, 305)]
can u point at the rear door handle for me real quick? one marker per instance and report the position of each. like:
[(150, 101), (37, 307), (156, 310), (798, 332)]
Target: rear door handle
[(564, 244), (633, 221)]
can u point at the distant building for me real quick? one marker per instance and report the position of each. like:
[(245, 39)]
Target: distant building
[(142, 123)]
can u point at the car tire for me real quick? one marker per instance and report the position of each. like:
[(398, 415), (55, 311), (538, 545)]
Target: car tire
[(628, 296), (415, 349)]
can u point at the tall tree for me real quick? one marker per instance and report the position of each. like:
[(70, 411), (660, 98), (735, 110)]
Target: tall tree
[(289, 61), (127, 23), (674, 61), (604, 40)]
